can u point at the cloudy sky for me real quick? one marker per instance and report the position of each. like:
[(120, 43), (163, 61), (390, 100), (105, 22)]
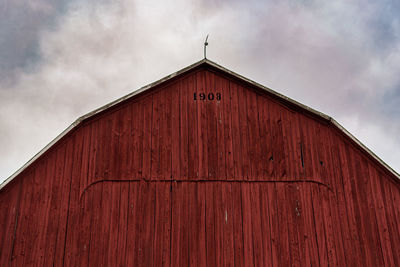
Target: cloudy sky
[(60, 59)]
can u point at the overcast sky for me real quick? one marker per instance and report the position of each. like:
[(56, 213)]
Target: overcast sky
[(60, 59)]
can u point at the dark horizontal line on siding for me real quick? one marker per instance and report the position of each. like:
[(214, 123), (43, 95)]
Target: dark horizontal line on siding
[(202, 181)]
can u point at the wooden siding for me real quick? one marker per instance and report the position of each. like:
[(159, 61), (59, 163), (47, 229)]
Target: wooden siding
[(162, 179)]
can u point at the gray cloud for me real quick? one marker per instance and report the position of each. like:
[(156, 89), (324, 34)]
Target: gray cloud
[(20, 24), (336, 57)]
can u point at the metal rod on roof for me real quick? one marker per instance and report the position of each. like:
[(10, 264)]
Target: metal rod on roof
[(205, 47)]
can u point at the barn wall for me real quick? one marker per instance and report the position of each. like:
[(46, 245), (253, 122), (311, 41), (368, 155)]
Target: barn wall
[(165, 179)]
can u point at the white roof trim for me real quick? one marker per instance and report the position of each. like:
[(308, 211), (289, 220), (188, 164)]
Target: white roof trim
[(215, 65)]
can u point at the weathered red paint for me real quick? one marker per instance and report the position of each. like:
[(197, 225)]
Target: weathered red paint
[(161, 179)]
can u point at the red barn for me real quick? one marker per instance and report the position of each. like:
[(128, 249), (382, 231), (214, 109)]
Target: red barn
[(202, 168)]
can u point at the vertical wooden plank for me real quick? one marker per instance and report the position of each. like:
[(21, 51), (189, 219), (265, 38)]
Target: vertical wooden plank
[(395, 196), (146, 227), (288, 155), (295, 140), (337, 202), (319, 147), (244, 133), (95, 253), (10, 202), (221, 143), (307, 147), (133, 224), (185, 237), (283, 231), (94, 150), (113, 238), (312, 133), (301, 216), (194, 129), (237, 147), (391, 217), (228, 229), (238, 224), (176, 129), (193, 221), (273, 221), (210, 234), (65, 198), (211, 124), (265, 217), (138, 129), (353, 162), (202, 125), (21, 231), (184, 128), (161, 243), (108, 144), (293, 222), (99, 254), (72, 232), (34, 223), (247, 226), (116, 159), (201, 224), (126, 148), (356, 256), (35, 215), (100, 163), (228, 135), (55, 195), (156, 134), (193, 227), (219, 214), (86, 132), (147, 130), (47, 229), (165, 135), (367, 213), (265, 142), (96, 172), (258, 235), (319, 225), (89, 154), (254, 134), (7, 218), (330, 234), (178, 228), (85, 227), (325, 164), (297, 146), (310, 228), (381, 218), (175, 225), (377, 256), (277, 142)]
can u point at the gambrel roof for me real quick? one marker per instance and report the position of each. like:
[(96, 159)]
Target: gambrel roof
[(211, 64)]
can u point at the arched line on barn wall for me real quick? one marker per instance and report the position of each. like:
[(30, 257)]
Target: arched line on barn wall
[(91, 185)]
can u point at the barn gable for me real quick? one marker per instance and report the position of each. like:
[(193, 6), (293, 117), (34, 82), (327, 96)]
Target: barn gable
[(202, 167), (230, 77)]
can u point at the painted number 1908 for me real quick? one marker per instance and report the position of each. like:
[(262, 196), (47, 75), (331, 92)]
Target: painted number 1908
[(209, 96)]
